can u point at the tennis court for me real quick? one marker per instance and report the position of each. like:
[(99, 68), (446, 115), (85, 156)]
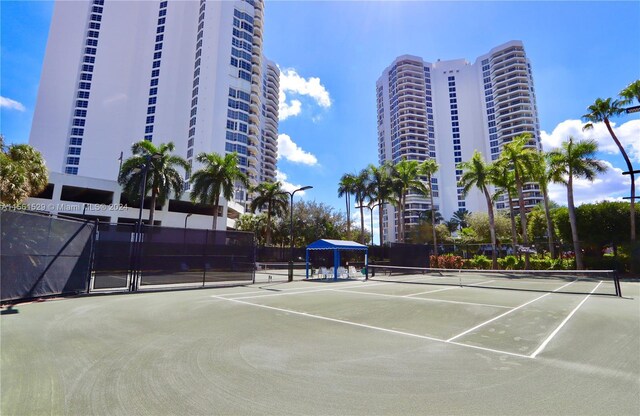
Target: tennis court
[(396, 346)]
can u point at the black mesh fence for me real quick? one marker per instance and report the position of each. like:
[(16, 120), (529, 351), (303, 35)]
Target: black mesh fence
[(189, 256), (113, 256), (43, 256)]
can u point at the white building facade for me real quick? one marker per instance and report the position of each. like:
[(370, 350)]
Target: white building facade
[(447, 110), (189, 72)]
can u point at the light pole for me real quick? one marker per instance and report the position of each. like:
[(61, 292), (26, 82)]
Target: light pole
[(186, 218), (371, 207), (144, 168), (304, 188)]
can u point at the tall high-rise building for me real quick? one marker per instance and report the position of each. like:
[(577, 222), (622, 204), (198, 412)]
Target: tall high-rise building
[(445, 111), (190, 72)]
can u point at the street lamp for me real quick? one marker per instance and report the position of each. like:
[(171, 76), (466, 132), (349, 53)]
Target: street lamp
[(304, 188), (371, 207), (186, 218)]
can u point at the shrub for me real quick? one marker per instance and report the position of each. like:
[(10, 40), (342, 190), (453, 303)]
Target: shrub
[(446, 261), (480, 261), (510, 263)]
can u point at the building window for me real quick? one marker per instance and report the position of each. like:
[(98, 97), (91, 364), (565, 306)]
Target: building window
[(73, 160), (71, 170)]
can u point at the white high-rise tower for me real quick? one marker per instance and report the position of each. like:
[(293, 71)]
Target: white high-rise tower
[(190, 72), (445, 111)]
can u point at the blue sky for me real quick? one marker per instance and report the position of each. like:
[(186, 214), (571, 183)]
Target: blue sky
[(332, 53)]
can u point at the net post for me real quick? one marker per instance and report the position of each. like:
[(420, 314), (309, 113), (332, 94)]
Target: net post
[(616, 283)]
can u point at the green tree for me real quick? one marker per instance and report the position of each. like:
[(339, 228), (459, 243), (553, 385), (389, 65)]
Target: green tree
[(346, 188), (520, 157), (162, 174), (630, 93), (379, 191), (315, 220), (405, 178), (428, 168), (271, 195), (461, 216), (601, 111), (256, 224), (23, 173), (479, 223), (575, 160), (217, 177), (361, 189), (506, 181), (478, 174), (541, 174)]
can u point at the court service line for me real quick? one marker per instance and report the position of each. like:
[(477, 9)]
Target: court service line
[(293, 291), (555, 332), (448, 288), (506, 313), (423, 299), (377, 328)]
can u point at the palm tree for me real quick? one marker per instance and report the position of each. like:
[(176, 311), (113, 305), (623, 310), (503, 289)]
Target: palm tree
[(506, 181), (346, 188), (477, 173), (461, 216), (23, 173), (630, 93), (379, 190), (575, 160), (360, 189), (405, 178), (601, 111), (519, 158), (217, 177), (161, 173), (428, 168), (271, 195), (541, 174)]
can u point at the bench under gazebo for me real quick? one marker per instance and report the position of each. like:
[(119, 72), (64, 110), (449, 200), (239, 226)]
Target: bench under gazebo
[(337, 246)]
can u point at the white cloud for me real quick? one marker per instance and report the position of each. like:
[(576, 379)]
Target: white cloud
[(290, 151), (628, 134), (287, 110), (291, 82), (11, 104), (288, 186), (612, 182)]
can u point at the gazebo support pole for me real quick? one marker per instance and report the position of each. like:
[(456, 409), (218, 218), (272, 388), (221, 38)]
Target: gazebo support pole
[(307, 264), (366, 265), (336, 263)]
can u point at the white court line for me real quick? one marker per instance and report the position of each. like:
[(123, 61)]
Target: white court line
[(555, 332), (448, 288), (377, 328), (506, 313), (422, 299), (293, 291)]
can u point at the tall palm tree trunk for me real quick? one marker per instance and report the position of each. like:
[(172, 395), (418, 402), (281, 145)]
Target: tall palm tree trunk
[(380, 211), (633, 182), (550, 233), (492, 229), (573, 223), (523, 221), (433, 223), (348, 204), (268, 236), (514, 232), (215, 213), (362, 222)]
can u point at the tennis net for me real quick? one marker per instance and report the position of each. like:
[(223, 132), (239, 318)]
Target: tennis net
[(598, 282)]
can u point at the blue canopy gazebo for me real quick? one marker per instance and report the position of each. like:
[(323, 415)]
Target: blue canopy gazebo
[(337, 246)]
